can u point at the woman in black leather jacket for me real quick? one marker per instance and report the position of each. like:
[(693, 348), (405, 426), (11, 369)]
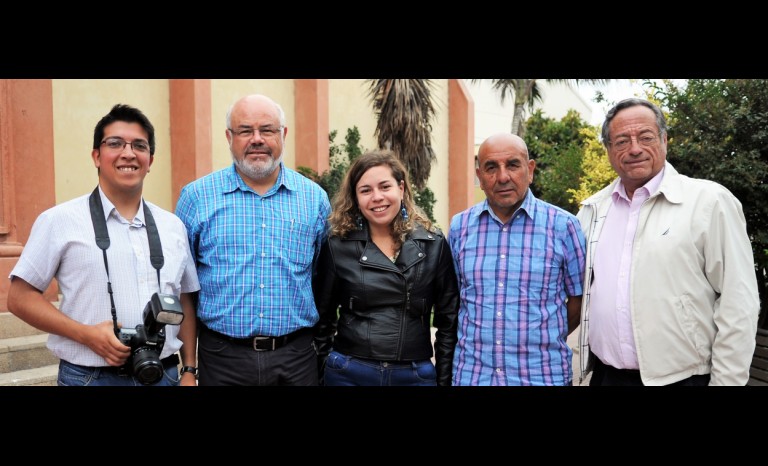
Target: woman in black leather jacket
[(382, 271)]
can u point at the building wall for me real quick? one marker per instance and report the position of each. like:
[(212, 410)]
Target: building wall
[(438, 180), (351, 106), (491, 116), (78, 104), (557, 99)]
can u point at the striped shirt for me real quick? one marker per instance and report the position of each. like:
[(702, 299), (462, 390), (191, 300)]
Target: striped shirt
[(62, 244), (513, 281), (255, 254)]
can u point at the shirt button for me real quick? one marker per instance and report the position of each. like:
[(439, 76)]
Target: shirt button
[(498, 314), (501, 284), (261, 315), (498, 370), (498, 342), (504, 229), (263, 254), (261, 286), (365, 258), (263, 225), (503, 256), (421, 254)]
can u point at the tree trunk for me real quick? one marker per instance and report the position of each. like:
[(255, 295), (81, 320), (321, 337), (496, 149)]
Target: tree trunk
[(518, 126)]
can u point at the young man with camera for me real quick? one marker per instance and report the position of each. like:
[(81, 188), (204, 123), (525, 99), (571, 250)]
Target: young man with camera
[(124, 271)]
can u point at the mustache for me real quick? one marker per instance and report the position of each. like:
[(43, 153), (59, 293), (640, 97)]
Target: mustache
[(259, 147)]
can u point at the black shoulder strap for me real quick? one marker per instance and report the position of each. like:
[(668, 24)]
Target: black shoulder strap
[(102, 235), (102, 241), (98, 220), (155, 247)]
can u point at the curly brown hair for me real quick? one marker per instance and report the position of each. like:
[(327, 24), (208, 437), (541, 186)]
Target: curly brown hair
[(345, 213)]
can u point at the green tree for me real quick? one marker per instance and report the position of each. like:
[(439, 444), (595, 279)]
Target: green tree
[(526, 92), (719, 131), (558, 148), (596, 169), (404, 112), (340, 157)]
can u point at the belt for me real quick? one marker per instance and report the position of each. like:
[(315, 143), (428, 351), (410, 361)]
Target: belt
[(622, 371), (616, 369), (259, 342)]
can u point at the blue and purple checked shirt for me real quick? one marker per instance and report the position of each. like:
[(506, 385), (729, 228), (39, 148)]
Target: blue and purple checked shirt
[(513, 281), (255, 254)]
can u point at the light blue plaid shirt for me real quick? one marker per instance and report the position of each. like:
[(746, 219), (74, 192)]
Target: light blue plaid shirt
[(255, 255), (513, 282)]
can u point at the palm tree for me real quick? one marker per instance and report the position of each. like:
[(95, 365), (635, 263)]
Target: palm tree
[(526, 92), (404, 112)]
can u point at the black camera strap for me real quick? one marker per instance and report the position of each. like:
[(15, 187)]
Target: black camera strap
[(102, 241)]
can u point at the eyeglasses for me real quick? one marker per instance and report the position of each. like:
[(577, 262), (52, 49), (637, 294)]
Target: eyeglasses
[(644, 140), (139, 146), (267, 132)]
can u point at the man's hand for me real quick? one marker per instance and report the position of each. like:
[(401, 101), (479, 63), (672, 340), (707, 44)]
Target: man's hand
[(102, 340)]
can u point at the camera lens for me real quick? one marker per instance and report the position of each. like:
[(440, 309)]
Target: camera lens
[(147, 367)]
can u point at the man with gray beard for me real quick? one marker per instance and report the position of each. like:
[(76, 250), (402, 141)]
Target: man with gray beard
[(255, 229)]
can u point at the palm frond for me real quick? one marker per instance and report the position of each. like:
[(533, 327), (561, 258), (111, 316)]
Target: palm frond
[(404, 113), (526, 92)]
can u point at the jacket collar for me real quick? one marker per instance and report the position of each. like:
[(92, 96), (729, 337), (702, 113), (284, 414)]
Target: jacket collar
[(411, 252), (670, 188)]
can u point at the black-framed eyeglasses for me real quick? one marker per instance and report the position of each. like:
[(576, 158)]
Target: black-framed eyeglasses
[(137, 145), (644, 140), (267, 132)]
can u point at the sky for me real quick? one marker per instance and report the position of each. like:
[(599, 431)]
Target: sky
[(615, 91)]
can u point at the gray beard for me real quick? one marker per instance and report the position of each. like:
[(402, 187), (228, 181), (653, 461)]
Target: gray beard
[(257, 172)]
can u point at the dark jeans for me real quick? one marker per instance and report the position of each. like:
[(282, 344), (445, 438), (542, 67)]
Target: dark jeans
[(605, 375), (223, 362), (343, 370)]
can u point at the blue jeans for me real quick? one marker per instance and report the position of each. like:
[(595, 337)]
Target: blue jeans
[(343, 370), (73, 375)]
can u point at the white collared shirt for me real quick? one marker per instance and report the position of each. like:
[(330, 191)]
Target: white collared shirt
[(62, 245)]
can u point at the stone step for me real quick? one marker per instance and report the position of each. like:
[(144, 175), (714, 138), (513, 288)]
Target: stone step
[(39, 376), (27, 352), (11, 326)]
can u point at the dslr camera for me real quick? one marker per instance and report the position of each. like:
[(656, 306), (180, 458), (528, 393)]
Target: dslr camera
[(147, 339)]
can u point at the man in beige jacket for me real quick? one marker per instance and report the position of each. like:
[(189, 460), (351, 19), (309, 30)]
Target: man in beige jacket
[(670, 288)]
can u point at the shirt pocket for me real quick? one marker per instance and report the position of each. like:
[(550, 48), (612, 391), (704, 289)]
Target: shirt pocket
[(296, 246), (175, 256)]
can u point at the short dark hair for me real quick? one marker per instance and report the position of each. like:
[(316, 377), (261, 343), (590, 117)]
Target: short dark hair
[(128, 114), (661, 122)]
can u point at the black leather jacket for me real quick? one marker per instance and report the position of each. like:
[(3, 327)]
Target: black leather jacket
[(383, 307)]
